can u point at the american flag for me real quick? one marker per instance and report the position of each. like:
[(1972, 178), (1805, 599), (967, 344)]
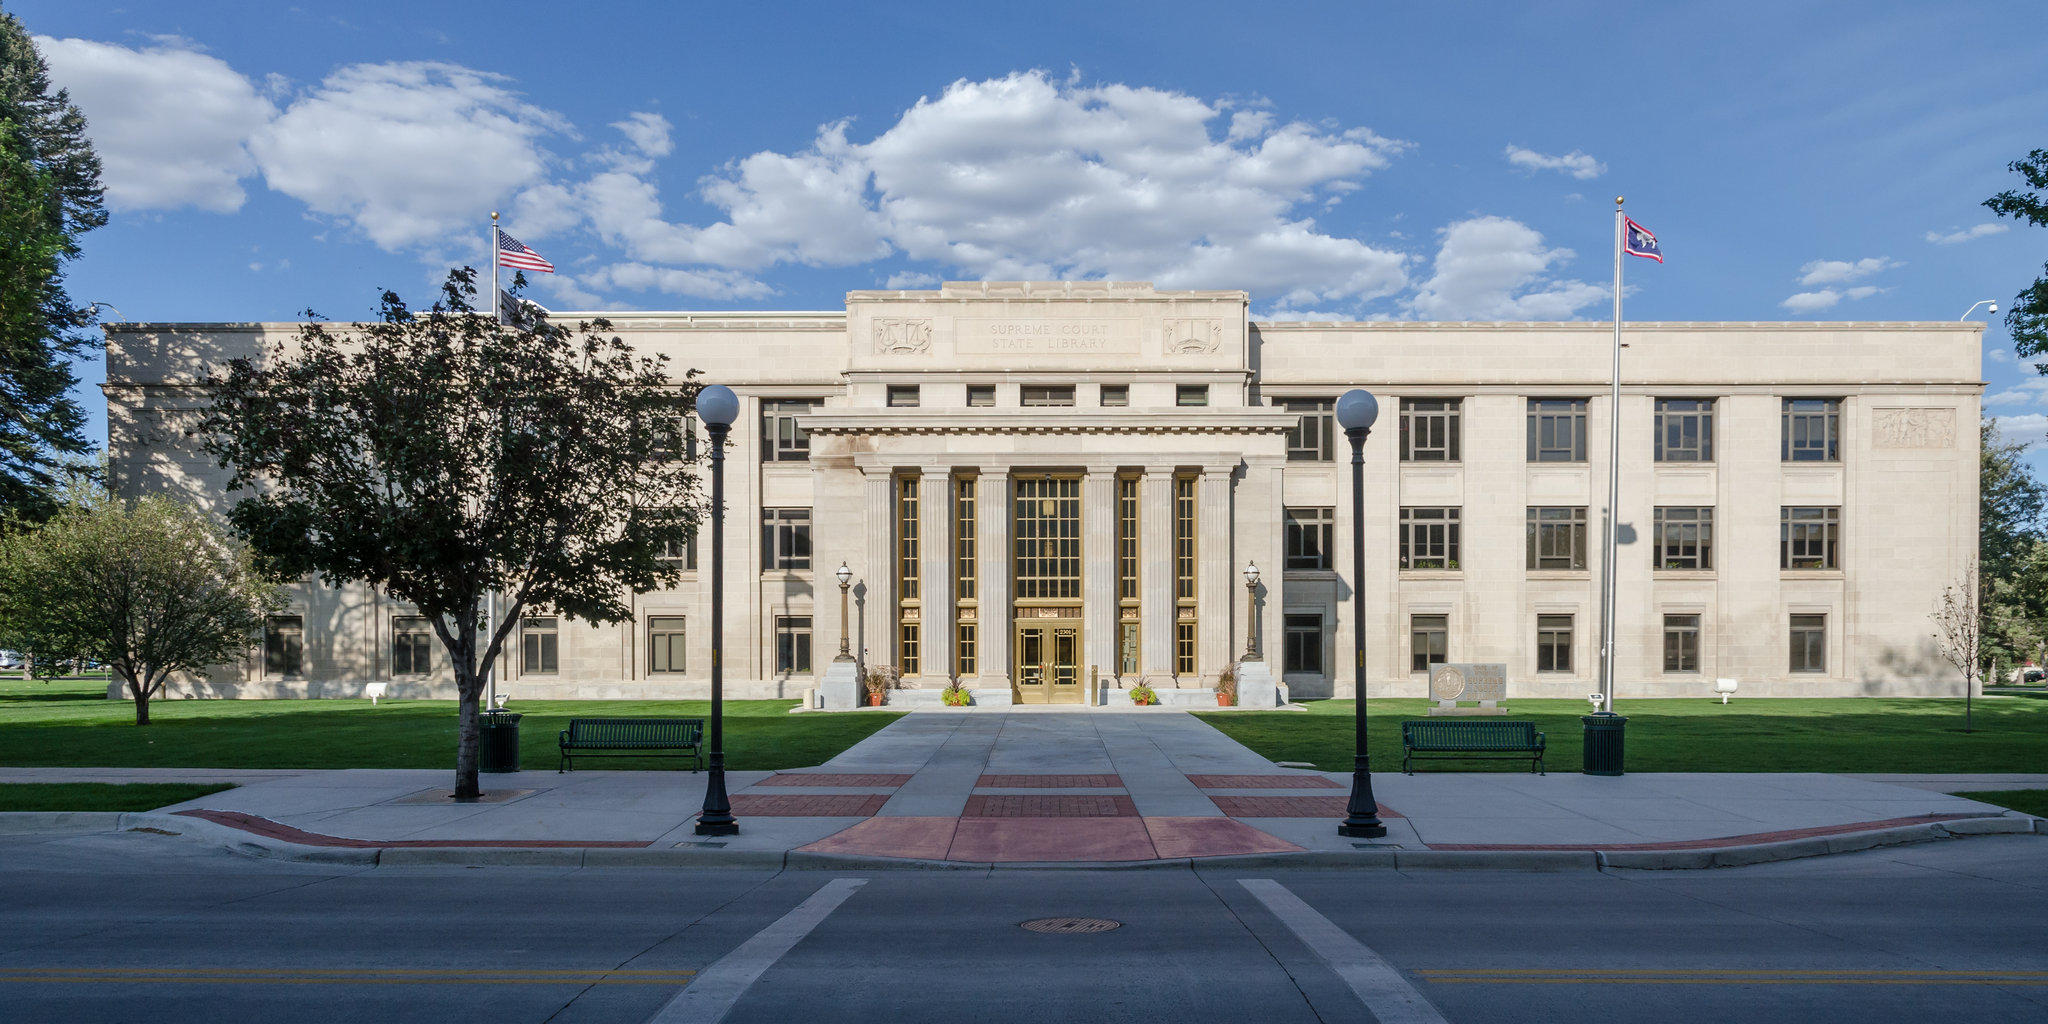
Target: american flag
[(514, 253)]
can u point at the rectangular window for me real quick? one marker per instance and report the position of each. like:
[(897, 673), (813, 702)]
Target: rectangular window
[(1684, 537), (1184, 647), (1046, 394), (676, 436), (1553, 643), (1685, 430), (1430, 429), (1809, 537), (981, 396), (539, 645), (1557, 537), (781, 439), (665, 644), (284, 645), (966, 656), (1812, 430), (785, 539), (1429, 641), (1309, 440), (792, 644), (1127, 648), (1127, 539), (412, 646), (966, 576), (1429, 538), (1308, 537), (1184, 539), (680, 553), (903, 396), (1116, 396), (1681, 643), (909, 610), (1048, 537), (1809, 643), (1304, 639), (1557, 430), (1191, 395)]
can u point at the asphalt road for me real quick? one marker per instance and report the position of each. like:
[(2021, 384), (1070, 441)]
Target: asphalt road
[(142, 927)]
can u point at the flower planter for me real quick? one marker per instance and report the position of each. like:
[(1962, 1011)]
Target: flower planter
[(1223, 700), (875, 700)]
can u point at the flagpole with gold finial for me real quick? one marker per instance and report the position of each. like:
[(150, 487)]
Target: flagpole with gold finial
[(1608, 576), (491, 596)]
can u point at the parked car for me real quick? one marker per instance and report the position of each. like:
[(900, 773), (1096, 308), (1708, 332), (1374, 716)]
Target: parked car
[(10, 661), (2027, 674)]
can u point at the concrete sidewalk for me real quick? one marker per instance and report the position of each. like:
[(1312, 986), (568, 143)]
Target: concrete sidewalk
[(938, 789)]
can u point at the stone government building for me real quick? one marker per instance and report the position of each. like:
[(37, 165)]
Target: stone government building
[(1037, 485)]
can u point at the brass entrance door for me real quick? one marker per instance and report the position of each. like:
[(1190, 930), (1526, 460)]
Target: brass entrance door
[(1049, 661)]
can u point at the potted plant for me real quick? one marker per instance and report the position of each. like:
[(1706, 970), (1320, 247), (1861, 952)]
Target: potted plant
[(955, 695), (1144, 696), (1226, 688), (880, 680)]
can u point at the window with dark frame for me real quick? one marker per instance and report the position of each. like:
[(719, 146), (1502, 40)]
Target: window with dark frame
[(680, 553), (539, 645), (1812, 430), (1682, 643), (1116, 396), (1683, 537), (781, 439), (909, 605), (1557, 430), (903, 396), (785, 539), (1557, 537), (1553, 643), (1190, 395), (1429, 641), (1310, 439), (1041, 395), (676, 435), (1685, 430), (1809, 537), (1309, 533), (667, 644), (412, 645), (792, 644), (1809, 634), (1430, 429), (1429, 537), (981, 396), (284, 645), (1303, 643)]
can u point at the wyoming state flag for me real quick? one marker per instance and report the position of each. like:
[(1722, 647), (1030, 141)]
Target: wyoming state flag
[(1636, 240)]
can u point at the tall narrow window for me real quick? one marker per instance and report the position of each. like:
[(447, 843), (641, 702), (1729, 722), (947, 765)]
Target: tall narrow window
[(1429, 641), (1127, 574), (1557, 537), (1681, 643), (1184, 628), (1557, 430), (966, 575), (666, 644), (785, 539), (781, 439), (1184, 647), (284, 645), (1553, 643), (1429, 429), (1304, 643), (539, 645), (1809, 643), (1685, 430), (1683, 536), (1429, 538), (1309, 439), (1308, 537), (1812, 430), (792, 644), (412, 646), (1809, 537), (909, 617)]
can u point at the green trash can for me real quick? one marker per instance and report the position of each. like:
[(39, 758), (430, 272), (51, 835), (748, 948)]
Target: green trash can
[(1604, 733), (498, 744)]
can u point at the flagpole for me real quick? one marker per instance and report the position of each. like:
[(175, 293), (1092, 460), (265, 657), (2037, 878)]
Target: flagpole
[(1608, 577), (491, 596)]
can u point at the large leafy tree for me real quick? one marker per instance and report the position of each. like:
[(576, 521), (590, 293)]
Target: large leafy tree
[(150, 587), (2027, 320), (49, 196), (2012, 553), (441, 456)]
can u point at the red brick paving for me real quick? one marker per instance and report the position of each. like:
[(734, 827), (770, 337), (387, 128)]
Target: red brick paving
[(1718, 842), (1013, 840), (1262, 782), (278, 830), (1211, 837), (1050, 781), (1288, 806), (983, 805), (829, 780), (914, 837), (795, 805)]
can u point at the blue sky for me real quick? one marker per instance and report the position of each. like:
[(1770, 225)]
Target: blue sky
[(1343, 161)]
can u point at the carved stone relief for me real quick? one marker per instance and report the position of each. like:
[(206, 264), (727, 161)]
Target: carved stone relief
[(1913, 428), (899, 336), (1193, 336)]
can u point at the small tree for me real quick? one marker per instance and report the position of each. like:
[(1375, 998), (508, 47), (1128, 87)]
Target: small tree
[(1958, 631), (151, 588), (441, 456)]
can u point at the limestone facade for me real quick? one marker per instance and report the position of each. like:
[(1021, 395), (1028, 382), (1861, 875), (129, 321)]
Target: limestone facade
[(1107, 457)]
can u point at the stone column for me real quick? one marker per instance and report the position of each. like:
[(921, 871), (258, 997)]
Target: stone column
[(1219, 592), (1098, 573), (935, 576), (876, 612), (1155, 576), (992, 565)]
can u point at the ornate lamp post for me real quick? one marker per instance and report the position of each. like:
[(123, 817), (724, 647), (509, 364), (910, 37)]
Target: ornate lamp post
[(845, 579), (1251, 611), (717, 407), (1356, 411)]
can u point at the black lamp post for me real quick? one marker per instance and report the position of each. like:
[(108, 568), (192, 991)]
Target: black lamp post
[(1356, 411), (717, 406)]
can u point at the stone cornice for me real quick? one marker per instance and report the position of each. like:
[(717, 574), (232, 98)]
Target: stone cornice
[(1048, 421)]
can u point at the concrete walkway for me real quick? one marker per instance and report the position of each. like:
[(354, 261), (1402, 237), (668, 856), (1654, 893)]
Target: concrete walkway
[(1080, 787)]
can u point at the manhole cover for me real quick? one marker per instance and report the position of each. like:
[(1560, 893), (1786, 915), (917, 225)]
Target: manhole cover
[(1070, 925)]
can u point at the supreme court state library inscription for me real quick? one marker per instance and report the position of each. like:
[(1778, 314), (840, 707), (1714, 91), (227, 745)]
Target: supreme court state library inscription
[(983, 336)]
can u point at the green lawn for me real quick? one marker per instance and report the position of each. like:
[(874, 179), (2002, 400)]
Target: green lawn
[(102, 796), (1863, 734), (73, 724), (2025, 801)]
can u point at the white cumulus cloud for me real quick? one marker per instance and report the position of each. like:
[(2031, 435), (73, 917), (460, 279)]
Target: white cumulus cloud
[(170, 124), (1576, 163), (1969, 234), (1844, 271), (648, 132), (1494, 268)]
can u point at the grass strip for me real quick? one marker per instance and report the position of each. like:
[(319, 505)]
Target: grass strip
[(102, 796)]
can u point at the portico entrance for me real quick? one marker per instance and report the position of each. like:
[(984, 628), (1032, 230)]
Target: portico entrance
[(1049, 656)]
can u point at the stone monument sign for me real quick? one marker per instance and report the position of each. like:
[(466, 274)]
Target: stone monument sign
[(1484, 682)]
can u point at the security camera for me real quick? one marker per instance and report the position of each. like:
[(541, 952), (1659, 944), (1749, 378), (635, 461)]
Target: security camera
[(1993, 308)]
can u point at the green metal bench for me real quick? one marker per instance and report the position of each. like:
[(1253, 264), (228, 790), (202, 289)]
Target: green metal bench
[(1466, 739), (632, 737)]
